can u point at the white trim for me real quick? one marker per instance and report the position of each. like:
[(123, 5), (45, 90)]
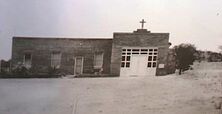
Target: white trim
[(95, 61), (82, 58), (152, 47)]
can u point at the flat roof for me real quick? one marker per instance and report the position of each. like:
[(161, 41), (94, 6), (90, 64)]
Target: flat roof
[(61, 38)]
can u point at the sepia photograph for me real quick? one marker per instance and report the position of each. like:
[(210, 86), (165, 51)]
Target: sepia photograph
[(110, 57)]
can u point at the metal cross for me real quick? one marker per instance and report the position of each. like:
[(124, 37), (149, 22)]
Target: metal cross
[(142, 22)]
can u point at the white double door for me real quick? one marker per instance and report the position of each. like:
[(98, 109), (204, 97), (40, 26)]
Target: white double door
[(138, 67)]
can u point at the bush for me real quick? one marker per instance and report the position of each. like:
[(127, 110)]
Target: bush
[(23, 72), (53, 71), (185, 56)]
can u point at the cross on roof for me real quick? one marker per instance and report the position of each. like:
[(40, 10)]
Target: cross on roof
[(142, 22)]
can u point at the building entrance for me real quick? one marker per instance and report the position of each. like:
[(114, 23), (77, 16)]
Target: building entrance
[(139, 61)]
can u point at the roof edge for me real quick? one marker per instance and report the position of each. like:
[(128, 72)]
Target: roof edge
[(61, 38)]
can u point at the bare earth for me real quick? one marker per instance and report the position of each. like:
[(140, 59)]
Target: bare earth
[(190, 93)]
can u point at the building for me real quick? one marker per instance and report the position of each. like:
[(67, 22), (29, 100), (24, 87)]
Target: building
[(140, 53), (4, 66)]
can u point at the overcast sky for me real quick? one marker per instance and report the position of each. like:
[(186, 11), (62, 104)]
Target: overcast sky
[(188, 21)]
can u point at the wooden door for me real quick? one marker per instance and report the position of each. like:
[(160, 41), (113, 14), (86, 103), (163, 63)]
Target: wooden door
[(78, 67)]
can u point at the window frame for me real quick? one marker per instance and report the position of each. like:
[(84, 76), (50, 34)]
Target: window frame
[(126, 58), (152, 58), (29, 65), (55, 60), (94, 61)]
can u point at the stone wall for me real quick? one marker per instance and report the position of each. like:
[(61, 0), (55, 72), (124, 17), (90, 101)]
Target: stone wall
[(41, 49), (171, 62), (140, 38)]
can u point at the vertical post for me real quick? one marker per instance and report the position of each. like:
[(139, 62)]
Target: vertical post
[(0, 66)]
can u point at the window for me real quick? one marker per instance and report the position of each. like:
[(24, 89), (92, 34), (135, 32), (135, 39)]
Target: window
[(135, 51), (123, 51), (98, 60), (143, 51), (27, 60), (123, 58), (152, 58), (122, 64), (150, 50), (149, 58), (150, 53), (125, 61), (56, 60), (126, 56), (127, 64), (149, 64), (155, 49), (154, 64)]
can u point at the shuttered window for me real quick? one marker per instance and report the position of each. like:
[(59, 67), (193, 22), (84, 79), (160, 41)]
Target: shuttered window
[(56, 60), (98, 60)]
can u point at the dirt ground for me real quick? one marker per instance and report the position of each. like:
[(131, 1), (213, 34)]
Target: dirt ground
[(190, 93)]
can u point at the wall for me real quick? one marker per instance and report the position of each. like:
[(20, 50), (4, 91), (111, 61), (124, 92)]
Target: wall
[(171, 62), (41, 49), (139, 38)]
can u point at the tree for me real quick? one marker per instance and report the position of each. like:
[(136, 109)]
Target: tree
[(185, 56), (220, 48)]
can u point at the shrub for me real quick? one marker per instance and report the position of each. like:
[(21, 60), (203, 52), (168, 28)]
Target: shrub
[(185, 56)]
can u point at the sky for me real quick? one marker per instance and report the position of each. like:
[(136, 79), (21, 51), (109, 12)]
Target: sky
[(198, 22)]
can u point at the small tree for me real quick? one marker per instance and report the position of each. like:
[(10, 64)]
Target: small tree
[(185, 56)]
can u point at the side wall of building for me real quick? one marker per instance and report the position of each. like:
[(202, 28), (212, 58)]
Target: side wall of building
[(160, 40), (171, 62), (42, 48)]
